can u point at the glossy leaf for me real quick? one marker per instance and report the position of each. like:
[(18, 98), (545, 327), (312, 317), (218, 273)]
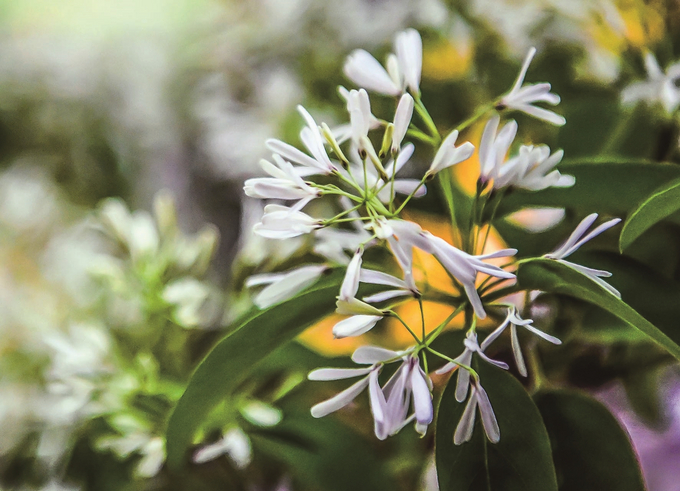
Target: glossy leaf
[(602, 186), (233, 358), (590, 449), (552, 276), (521, 461), (662, 203)]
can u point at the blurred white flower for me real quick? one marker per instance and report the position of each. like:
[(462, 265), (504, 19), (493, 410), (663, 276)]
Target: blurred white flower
[(659, 87), (285, 285), (449, 154), (234, 443)]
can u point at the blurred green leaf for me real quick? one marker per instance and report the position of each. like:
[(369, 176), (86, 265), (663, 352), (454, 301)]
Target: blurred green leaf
[(323, 453), (590, 450), (233, 358), (663, 202), (552, 276), (519, 462), (603, 186)]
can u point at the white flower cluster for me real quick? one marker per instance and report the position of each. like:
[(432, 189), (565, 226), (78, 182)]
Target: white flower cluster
[(370, 197)]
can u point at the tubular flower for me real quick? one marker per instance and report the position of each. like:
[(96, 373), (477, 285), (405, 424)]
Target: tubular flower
[(478, 399)]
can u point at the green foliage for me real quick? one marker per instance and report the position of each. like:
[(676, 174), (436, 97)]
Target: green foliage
[(660, 204), (233, 358), (551, 276), (590, 450), (519, 462)]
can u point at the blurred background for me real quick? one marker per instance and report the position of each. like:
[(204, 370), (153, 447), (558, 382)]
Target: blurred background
[(126, 131)]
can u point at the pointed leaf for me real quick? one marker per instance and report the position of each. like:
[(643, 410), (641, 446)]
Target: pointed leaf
[(663, 202), (590, 449), (552, 276), (520, 461), (233, 358)]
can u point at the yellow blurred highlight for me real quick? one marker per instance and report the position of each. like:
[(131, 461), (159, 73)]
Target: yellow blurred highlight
[(645, 25), (467, 172), (320, 338), (444, 61)]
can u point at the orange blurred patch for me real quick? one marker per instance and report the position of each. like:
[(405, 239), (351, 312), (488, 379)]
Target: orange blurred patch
[(444, 61), (320, 338), (435, 314)]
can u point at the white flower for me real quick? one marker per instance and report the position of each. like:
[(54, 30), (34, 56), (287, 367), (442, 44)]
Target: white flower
[(521, 98), (402, 120), (403, 70), (235, 443), (281, 222), (369, 355), (513, 319), (402, 236), (380, 278), (494, 147), (364, 316), (464, 360), (448, 154), (576, 240), (390, 405), (285, 184), (319, 162), (282, 286), (659, 87), (409, 48), (533, 169), (464, 267), (360, 116), (478, 399)]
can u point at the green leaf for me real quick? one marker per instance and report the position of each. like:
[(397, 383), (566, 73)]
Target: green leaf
[(602, 186), (590, 450), (552, 276), (519, 462), (323, 453), (662, 203), (233, 358)]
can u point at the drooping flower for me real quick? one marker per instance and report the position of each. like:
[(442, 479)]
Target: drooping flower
[(390, 405), (522, 97), (513, 320), (464, 360), (659, 87), (478, 399), (282, 286), (576, 240)]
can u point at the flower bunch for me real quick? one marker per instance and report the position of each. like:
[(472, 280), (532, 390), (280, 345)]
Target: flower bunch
[(366, 170)]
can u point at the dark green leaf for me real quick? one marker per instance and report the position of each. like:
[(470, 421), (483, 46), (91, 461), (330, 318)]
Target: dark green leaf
[(233, 358), (519, 462), (552, 276), (590, 450), (662, 203), (601, 186)]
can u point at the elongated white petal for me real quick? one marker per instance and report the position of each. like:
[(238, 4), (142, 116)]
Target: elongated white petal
[(446, 368), (494, 335), (466, 425), (499, 364), (339, 400), (287, 285), (408, 186), (422, 399), (540, 113), (541, 334), (365, 71), (517, 352), (373, 354), (322, 374), (409, 48), (523, 72), (463, 383), (387, 295), (355, 325), (594, 233), (350, 284), (493, 433), (380, 278), (402, 120), (578, 232), (354, 306), (376, 398), (594, 274), (294, 155)]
